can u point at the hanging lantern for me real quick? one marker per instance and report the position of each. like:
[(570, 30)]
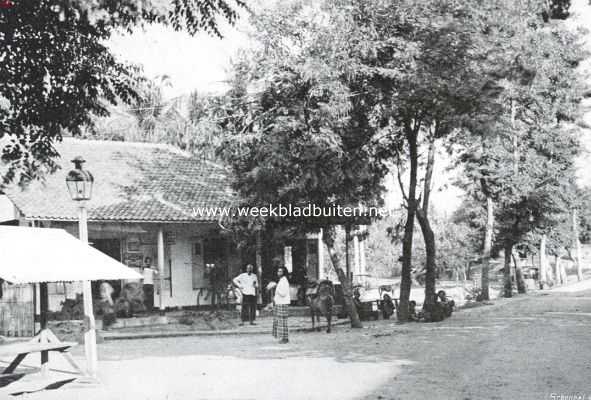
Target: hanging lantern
[(79, 181)]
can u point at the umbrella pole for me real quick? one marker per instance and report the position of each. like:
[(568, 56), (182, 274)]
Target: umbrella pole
[(36, 313), (44, 307)]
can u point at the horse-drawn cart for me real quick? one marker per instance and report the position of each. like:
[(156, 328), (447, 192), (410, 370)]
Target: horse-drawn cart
[(373, 301)]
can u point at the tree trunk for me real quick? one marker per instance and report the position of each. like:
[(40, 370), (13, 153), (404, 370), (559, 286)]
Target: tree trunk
[(508, 286), (514, 138), (490, 218), (259, 264), (429, 237), (519, 277), (405, 279), (347, 287), (549, 272), (423, 218), (577, 246), (563, 275), (514, 269), (543, 262), (557, 272), (429, 174), (347, 260), (521, 288), (561, 269), (519, 280)]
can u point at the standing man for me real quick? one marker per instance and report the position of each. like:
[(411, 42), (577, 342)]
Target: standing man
[(247, 283), (148, 273)]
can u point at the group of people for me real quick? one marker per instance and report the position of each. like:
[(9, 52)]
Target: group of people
[(248, 284), (439, 310), (134, 296)]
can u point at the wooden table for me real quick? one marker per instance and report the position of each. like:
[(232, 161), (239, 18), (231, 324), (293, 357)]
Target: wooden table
[(21, 350), (43, 343)]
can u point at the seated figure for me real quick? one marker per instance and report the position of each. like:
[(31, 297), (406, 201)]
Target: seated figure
[(387, 306), (412, 311), (434, 311), (446, 304), (358, 304)]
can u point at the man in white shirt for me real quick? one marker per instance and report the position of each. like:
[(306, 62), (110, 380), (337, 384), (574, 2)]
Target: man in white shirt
[(148, 272), (247, 282)]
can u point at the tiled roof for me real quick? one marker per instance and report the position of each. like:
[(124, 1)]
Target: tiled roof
[(133, 182)]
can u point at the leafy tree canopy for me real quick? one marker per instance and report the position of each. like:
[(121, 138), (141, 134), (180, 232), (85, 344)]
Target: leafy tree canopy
[(299, 128), (56, 71), (520, 150)]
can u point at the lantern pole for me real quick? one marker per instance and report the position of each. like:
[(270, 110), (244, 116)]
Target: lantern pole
[(79, 184), (89, 321)]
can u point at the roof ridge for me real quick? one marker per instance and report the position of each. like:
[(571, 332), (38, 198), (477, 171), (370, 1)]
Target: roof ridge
[(163, 146)]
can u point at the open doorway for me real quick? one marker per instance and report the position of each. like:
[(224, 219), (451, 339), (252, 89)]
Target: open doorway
[(112, 248)]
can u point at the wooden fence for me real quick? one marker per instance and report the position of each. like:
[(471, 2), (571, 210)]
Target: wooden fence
[(17, 311)]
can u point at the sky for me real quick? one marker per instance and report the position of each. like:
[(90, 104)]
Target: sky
[(193, 63)]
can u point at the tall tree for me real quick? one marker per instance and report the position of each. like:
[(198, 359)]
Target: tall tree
[(418, 54), (57, 72), (300, 132)]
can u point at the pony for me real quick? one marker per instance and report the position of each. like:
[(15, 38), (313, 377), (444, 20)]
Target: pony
[(321, 299)]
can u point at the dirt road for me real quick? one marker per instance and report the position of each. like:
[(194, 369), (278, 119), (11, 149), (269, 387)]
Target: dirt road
[(529, 348), (532, 347)]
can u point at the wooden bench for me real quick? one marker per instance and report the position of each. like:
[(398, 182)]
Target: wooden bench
[(21, 350)]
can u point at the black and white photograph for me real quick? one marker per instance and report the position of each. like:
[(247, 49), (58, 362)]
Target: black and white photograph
[(295, 199)]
